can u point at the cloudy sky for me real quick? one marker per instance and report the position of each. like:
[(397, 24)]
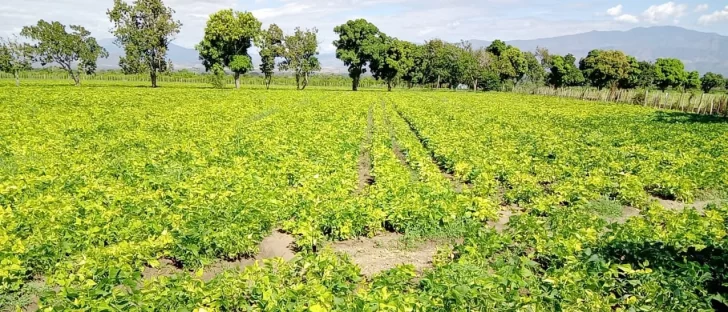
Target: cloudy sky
[(414, 20)]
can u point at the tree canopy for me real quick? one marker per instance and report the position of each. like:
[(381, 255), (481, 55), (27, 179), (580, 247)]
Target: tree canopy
[(710, 81), (53, 44), (669, 72), (299, 55), (356, 37), (270, 43), (228, 36), (605, 68), (144, 29)]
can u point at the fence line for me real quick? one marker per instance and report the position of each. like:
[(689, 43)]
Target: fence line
[(699, 103), (277, 80)]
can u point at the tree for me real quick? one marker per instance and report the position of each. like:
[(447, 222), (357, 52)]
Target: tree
[(497, 47), (669, 72), (144, 29), (692, 81), (534, 70), (15, 57), (545, 57), (711, 81), (299, 55), (271, 45), (605, 68), (438, 61), (228, 36), (391, 59), (354, 38), (564, 72), (53, 44), (640, 75), (416, 73)]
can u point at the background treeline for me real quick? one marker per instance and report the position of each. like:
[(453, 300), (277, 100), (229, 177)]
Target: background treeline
[(144, 29)]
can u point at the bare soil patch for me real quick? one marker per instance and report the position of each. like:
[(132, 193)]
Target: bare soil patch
[(277, 245), (674, 205), (627, 213), (364, 163), (504, 217), (384, 252)]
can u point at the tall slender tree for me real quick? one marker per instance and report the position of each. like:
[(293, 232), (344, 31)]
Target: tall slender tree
[(144, 29), (53, 44), (271, 46), (228, 36)]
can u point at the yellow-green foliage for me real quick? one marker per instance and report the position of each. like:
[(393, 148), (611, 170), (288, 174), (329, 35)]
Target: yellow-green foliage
[(96, 183)]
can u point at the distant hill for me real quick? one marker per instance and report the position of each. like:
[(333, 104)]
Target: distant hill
[(699, 51), (181, 57), (189, 58)]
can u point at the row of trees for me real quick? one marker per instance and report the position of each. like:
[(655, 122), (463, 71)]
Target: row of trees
[(361, 44), (145, 28)]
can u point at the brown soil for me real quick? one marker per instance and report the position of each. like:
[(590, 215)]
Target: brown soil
[(365, 160), (505, 216), (380, 253), (277, 245), (627, 213), (679, 206)]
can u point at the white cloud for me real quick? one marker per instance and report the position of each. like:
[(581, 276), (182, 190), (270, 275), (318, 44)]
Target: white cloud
[(663, 12), (627, 18), (615, 11), (701, 7), (715, 17)]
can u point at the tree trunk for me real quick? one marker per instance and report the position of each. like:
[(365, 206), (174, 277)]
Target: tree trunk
[(305, 81), (267, 81), (475, 85), (237, 80), (17, 78), (153, 76), (76, 78), (355, 83), (438, 81), (389, 86)]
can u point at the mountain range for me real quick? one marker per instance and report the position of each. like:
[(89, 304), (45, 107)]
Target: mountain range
[(698, 50)]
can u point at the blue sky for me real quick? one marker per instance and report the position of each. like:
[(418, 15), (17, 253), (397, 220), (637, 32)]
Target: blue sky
[(414, 20)]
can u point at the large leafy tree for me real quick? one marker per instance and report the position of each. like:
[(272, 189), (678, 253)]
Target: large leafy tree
[(271, 45), (497, 47), (416, 73), (53, 44), (355, 38), (564, 72), (692, 81), (15, 57), (669, 72), (144, 29), (391, 59), (604, 68), (710, 81), (438, 57), (299, 55), (640, 74), (228, 36)]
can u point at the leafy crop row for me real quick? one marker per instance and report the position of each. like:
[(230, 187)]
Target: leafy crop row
[(97, 184)]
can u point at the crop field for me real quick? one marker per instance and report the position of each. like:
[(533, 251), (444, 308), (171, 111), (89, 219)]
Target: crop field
[(118, 198)]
